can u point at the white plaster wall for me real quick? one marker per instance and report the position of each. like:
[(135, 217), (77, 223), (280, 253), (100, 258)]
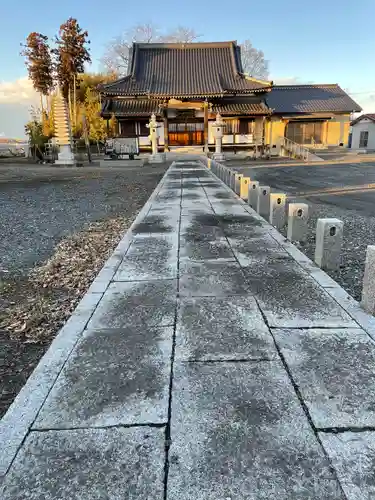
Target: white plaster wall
[(228, 139), (161, 133), (363, 125), (144, 141), (244, 139), (211, 139)]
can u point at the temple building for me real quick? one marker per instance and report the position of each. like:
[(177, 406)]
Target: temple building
[(186, 85)]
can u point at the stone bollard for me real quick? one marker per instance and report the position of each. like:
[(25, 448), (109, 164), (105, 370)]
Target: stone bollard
[(368, 289), (329, 236), (263, 205), (226, 175), (232, 179), (244, 188), (229, 177), (253, 194), (222, 172), (237, 183), (297, 221), (278, 209)]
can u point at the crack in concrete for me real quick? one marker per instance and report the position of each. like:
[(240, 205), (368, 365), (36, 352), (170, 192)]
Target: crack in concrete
[(168, 439)]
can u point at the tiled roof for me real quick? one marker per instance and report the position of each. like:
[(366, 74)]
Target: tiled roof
[(240, 106), (130, 107), (310, 99), (185, 70), (370, 116)]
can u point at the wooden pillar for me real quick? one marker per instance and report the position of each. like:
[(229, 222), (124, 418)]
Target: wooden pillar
[(270, 137), (205, 127), (165, 119), (325, 133)]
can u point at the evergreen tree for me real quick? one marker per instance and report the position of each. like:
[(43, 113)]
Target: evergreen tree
[(39, 63), (71, 54)]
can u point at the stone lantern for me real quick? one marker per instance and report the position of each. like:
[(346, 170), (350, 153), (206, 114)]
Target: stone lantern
[(218, 132), (153, 126)]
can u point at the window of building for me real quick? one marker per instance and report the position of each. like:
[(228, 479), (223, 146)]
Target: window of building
[(127, 128), (246, 126), (363, 139), (304, 132), (231, 127), (143, 130)]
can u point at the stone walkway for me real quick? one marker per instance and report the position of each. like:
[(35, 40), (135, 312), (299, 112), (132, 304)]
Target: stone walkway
[(210, 360)]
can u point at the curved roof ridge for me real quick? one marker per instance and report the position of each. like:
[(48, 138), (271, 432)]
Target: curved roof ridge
[(184, 45), (306, 85)]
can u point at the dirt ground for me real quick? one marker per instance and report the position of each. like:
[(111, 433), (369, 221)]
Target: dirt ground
[(44, 212)]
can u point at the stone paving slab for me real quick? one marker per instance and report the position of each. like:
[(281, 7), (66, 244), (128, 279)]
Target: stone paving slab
[(288, 297), (200, 209), (157, 223), (150, 257), (211, 278), (207, 249), (249, 252), (113, 377), (88, 464), (353, 456), (324, 363), (229, 208), (136, 303), (202, 226), (239, 432), (226, 328)]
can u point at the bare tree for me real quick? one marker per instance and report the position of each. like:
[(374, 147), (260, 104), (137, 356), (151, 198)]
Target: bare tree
[(118, 52), (182, 35), (253, 61)]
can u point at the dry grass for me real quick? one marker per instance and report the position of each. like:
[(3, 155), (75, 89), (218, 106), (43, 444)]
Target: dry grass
[(53, 289)]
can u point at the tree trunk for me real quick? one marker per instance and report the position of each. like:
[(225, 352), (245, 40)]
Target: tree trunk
[(75, 102), (42, 111), (70, 105)]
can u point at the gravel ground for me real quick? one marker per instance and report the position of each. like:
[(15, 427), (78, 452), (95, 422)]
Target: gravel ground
[(359, 231), (41, 206), (355, 209)]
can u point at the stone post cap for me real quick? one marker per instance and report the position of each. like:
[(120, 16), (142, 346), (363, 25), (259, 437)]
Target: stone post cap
[(299, 209), (330, 221)]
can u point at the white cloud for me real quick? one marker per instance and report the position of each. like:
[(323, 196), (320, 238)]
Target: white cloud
[(16, 99), (366, 101), (19, 91)]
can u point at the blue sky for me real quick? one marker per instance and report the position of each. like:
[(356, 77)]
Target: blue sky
[(326, 41)]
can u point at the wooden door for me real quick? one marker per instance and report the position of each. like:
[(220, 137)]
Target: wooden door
[(185, 133)]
